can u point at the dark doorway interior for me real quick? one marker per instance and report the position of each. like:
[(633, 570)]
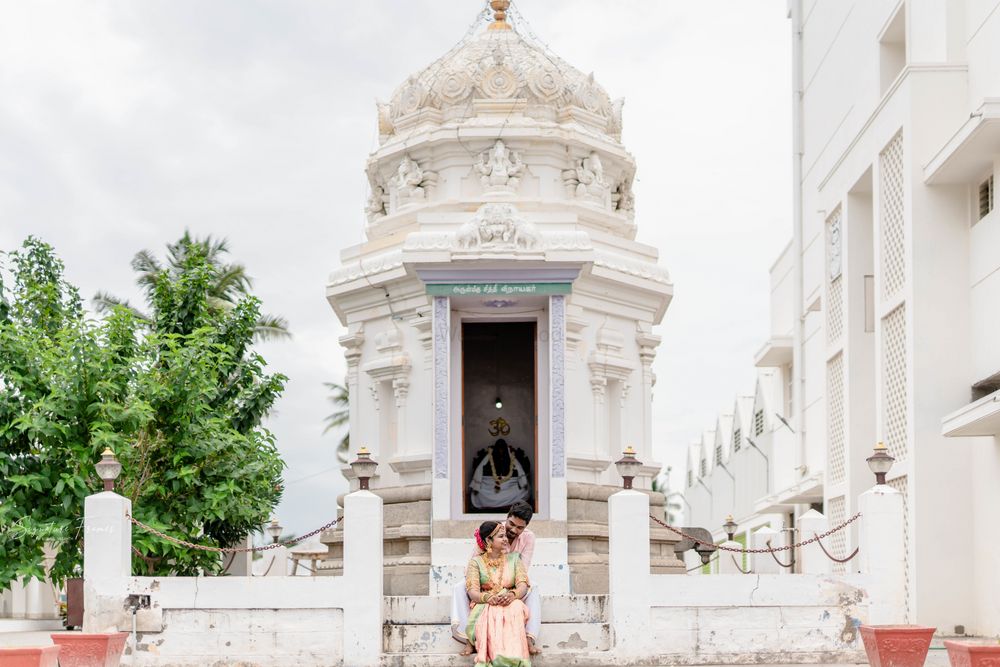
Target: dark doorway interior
[(498, 444)]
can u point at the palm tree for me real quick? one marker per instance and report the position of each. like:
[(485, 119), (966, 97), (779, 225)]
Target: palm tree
[(229, 283), (341, 415)]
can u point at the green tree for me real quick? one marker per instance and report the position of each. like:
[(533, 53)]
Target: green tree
[(228, 283), (179, 399), (341, 398)]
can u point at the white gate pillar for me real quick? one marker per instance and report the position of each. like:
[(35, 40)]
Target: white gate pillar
[(812, 560), (730, 562), (107, 560), (362, 579), (764, 563), (882, 555), (628, 570)]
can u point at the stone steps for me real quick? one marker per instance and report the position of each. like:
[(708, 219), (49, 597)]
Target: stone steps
[(555, 659), (417, 631), (437, 638), (436, 609)]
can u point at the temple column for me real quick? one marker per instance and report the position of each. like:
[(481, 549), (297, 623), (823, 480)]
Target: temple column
[(441, 342), (557, 407), (647, 354)]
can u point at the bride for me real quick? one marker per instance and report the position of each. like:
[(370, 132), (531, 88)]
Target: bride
[(497, 583)]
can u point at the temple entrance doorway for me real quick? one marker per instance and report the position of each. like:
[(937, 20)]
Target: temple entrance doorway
[(499, 415)]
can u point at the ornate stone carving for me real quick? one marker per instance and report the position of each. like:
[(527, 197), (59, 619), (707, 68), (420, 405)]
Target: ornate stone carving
[(440, 324), (589, 95), (378, 200), (586, 180), (494, 67), (615, 124), (392, 366), (366, 268), (385, 126), (500, 169), (455, 87), (498, 226), (352, 342), (557, 362), (622, 198), (410, 98), (499, 82), (412, 182), (633, 267), (547, 83)]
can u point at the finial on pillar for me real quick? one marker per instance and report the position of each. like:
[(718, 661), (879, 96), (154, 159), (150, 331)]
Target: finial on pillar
[(499, 8)]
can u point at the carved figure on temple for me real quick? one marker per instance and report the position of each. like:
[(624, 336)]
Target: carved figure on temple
[(586, 180), (501, 476), (623, 198), (378, 200), (590, 174), (497, 225), (500, 168), (411, 181)]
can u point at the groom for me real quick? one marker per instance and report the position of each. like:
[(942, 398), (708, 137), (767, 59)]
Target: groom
[(522, 541)]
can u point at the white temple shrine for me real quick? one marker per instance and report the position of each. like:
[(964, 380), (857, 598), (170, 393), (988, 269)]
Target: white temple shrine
[(500, 315)]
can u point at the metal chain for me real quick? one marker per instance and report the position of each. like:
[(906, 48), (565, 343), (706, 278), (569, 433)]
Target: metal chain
[(834, 558), (743, 550), (226, 550)]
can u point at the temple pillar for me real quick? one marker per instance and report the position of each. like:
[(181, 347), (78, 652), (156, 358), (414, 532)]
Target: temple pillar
[(441, 352), (557, 407)]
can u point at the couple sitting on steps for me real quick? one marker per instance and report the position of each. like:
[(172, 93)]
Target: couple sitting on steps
[(495, 612)]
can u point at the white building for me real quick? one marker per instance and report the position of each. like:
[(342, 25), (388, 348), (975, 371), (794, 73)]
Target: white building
[(500, 294), (886, 303)]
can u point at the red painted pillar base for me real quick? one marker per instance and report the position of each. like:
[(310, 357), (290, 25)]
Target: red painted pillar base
[(30, 656), (896, 645), (79, 649), (968, 654)]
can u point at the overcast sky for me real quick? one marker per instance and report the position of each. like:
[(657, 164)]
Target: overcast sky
[(123, 123)]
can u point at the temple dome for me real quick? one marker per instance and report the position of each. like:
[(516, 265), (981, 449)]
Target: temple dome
[(501, 66)]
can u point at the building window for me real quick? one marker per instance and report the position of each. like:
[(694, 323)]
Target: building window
[(690, 478), (737, 440), (703, 468), (758, 422), (718, 454), (985, 197)]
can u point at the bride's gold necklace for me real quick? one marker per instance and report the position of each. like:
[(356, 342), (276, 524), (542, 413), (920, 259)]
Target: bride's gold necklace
[(495, 570)]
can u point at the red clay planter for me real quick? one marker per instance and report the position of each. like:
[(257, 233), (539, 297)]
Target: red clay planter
[(896, 645), (30, 656), (968, 654), (90, 650)]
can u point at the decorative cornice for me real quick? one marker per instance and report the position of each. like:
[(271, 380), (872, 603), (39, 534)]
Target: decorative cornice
[(633, 267), (366, 268)]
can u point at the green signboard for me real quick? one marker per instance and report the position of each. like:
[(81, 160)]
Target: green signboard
[(497, 289)]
